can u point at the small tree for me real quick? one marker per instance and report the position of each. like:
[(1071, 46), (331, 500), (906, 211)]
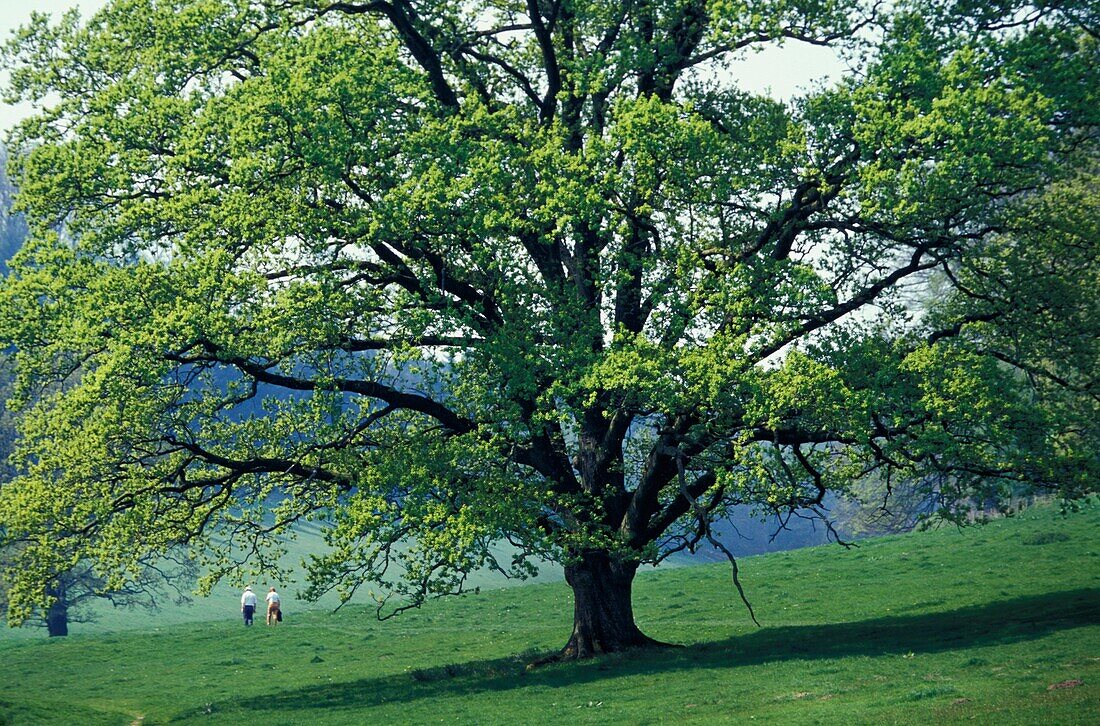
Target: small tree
[(444, 273), (72, 594)]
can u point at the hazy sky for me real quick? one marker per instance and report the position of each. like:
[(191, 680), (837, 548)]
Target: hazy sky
[(784, 71), (14, 13)]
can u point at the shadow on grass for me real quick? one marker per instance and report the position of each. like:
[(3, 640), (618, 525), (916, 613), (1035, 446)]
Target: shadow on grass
[(1003, 622)]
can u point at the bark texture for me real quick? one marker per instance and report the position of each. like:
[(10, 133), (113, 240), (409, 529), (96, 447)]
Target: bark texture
[(603, 614)]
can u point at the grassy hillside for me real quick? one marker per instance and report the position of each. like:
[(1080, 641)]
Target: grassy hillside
[(224, 602), (982, 625)]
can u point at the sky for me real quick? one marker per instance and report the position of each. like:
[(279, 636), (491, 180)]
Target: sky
[(14, 13), (780, 71)]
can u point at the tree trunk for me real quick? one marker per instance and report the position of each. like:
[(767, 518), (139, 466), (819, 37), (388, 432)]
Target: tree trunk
[(57, 619), (603, 615)]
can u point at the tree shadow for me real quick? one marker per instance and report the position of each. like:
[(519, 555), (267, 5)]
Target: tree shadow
[(1002, 622)]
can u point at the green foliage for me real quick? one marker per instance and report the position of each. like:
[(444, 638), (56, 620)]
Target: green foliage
[(441, 275)]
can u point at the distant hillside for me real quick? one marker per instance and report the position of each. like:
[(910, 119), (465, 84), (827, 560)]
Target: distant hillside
[(224, 602), (752, 537), (745, 533)]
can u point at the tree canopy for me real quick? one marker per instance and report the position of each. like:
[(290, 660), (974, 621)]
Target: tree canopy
[(441, 274)]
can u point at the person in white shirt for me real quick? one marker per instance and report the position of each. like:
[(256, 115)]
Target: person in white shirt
[(248, 604), (273, 612)]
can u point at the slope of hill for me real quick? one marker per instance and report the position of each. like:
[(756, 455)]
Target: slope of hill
[(224, 602), (1000, 624)]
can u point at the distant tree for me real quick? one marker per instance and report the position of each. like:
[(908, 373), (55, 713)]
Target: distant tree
[(13, 227), (1032, 302), (538, 271), (73, 593)]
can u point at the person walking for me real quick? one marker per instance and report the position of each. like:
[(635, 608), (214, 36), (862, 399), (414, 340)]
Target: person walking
[(248, 604), (274, 612)]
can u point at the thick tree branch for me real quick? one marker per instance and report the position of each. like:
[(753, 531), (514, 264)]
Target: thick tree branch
[(403, 17), (867, 295), (548, 104), (371, 389)]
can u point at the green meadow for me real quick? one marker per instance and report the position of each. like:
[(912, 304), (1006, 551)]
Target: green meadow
[(994, 624), (224, 601)]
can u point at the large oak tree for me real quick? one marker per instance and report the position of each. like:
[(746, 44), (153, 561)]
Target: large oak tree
[(443, 274)]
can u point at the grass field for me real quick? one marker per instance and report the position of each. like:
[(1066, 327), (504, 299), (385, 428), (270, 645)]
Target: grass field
[(996, 624), (224, 601)]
